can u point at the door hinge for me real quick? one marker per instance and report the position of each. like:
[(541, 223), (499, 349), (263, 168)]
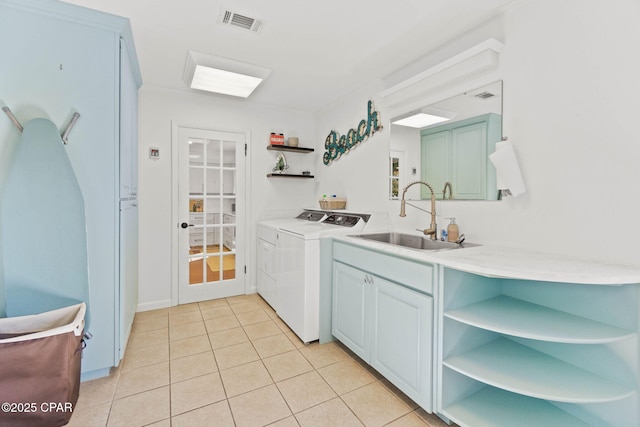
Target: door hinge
[(245, 269), (245, 150)]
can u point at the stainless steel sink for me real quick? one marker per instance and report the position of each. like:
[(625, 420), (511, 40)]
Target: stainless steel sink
[(411, 241)]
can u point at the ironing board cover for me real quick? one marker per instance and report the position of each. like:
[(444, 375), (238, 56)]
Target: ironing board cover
[(43, 227)]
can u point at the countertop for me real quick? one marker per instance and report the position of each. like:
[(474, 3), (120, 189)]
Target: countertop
[(504, 262)]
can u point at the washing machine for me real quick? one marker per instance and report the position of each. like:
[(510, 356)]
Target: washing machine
[(267, 233), (296, 275)]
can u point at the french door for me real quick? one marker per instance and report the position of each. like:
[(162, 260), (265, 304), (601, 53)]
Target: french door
[(211, 197)]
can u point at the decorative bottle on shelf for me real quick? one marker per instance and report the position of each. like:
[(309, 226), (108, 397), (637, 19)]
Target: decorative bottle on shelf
[(452, 231)]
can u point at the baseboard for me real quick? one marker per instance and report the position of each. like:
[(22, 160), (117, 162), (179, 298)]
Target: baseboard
[(153, 305)]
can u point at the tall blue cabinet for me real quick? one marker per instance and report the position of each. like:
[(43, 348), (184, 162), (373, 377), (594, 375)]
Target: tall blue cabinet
[(59, 59)]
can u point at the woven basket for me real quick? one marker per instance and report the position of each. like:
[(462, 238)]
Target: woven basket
[(333, 203)]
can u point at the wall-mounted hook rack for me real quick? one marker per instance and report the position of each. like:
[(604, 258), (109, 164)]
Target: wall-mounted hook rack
[(64, 136)]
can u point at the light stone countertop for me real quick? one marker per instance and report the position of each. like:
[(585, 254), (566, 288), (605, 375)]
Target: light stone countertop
[(504, 262)]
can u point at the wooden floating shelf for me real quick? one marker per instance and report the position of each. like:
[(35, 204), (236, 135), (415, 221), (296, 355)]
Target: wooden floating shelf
[(287, 175), (519, 318), (290, 149)]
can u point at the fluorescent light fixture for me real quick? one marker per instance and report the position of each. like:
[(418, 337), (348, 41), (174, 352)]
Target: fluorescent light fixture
[(222, 75), (420, 120)]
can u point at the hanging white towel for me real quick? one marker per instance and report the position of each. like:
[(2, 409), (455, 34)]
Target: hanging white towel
[(508, 172)]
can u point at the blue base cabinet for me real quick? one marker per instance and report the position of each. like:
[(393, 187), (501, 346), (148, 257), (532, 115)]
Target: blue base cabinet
[(387, 323), (532, 353)]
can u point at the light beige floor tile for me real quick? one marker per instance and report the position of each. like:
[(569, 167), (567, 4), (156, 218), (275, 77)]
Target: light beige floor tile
[(215, 312), (295, 340), (275, 344), (244, 378), (144, 356), (188, 330), (205, 305), (184, 317), (92, 416), (195, 393), (227, 337), (305, 391), (280, 324), (346, 376), (193, 366), (432, 420), (140, 409), (249, 317), (217, 414), (238, 299), (287, 365), (287, 422), (184, 308), (163, 423), (399, 394), (262, 329), (97, 391), (245, 307), (373, 404), (189, 346), (150, 324), (148, 338), (321, 355), (409, 420), (142, 379), (161, 312), (259, 407), (331, 413), (235, 355), (221, 323)]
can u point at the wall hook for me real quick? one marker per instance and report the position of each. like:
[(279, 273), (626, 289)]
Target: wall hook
[(67, 131), (13, 118)]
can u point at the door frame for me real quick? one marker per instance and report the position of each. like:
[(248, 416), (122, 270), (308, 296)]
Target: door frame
[(175, 211)]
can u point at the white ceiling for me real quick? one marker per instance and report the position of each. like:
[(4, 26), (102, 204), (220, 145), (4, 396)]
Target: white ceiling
[(318, 51)]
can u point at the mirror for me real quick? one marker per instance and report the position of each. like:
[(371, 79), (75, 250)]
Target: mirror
[(454, 150)]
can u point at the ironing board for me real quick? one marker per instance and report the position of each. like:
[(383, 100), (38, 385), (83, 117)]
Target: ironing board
[(43, 227)]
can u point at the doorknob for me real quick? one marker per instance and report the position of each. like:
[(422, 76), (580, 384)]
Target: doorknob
[(185, 225)]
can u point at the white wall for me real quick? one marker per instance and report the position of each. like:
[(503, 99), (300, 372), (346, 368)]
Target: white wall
[(158, 109), (571, 93)]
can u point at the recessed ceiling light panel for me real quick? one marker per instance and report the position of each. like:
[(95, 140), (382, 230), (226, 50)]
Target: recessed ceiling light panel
[(420, 120), (222, 75)]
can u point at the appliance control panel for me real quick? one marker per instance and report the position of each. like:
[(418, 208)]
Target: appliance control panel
[(343, 220)]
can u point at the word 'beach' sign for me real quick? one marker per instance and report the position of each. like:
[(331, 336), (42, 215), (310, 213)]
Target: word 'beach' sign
[(338, 145)]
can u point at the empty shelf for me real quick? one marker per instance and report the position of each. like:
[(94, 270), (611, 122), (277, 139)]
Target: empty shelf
[(519, 318), (491, 407), (514, 367)]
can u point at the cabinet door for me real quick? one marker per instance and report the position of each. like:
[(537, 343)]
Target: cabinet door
[(435, 162), (349, 316), (469, 161), (128, 127), (401, 338)]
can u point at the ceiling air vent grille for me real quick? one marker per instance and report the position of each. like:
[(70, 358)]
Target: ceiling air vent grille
[(484, 95), (241, 21)]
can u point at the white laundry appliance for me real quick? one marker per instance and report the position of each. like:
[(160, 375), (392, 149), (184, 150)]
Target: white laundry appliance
[(289, 264)]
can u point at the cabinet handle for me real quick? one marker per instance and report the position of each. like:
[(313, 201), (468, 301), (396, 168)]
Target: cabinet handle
[(368, 279)]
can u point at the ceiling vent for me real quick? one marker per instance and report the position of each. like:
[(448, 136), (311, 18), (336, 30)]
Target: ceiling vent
[(484, 95), (241, 21)]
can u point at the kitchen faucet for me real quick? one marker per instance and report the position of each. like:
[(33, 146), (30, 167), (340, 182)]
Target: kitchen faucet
[(433, 228), (444, 191)]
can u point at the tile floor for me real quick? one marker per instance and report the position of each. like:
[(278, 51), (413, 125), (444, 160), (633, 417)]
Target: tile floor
[(233, 362)]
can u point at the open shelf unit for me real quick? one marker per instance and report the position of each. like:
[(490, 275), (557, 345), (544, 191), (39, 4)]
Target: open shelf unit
[(531, 353), (302, 150)]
